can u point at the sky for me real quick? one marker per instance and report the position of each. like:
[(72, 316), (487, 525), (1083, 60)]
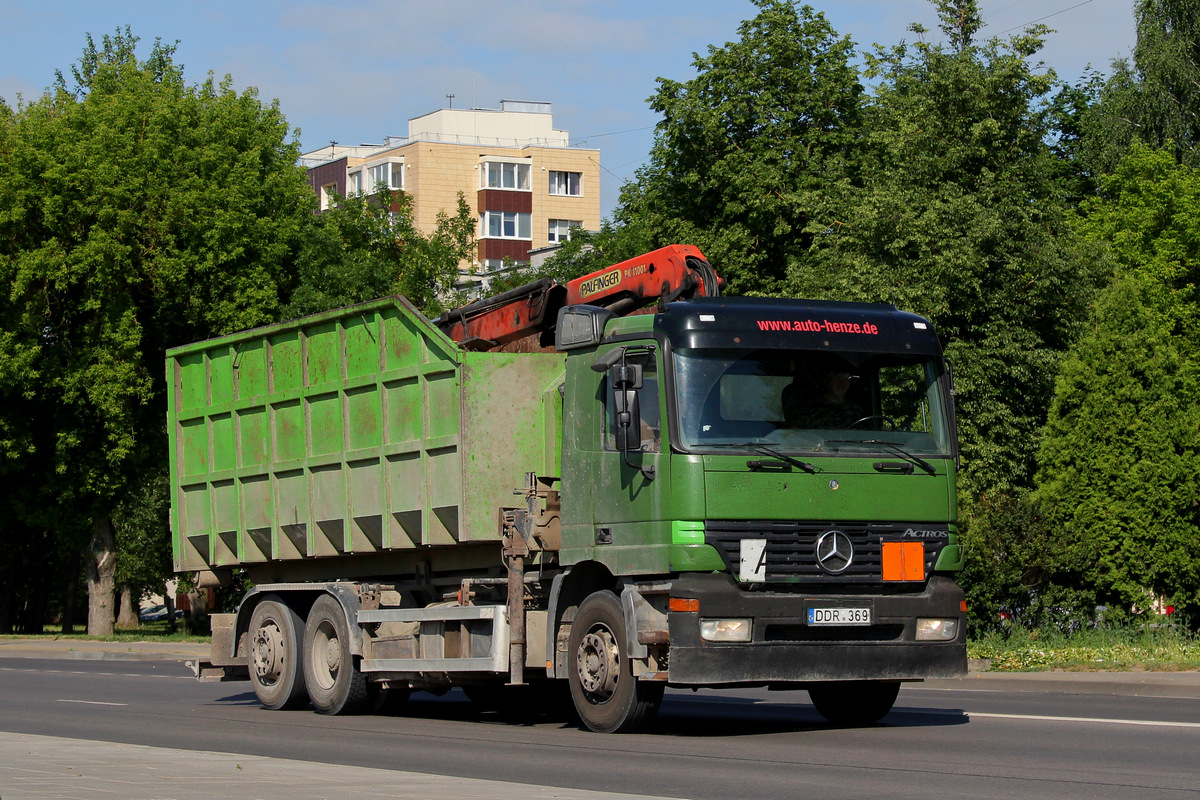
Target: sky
[(355, 71)]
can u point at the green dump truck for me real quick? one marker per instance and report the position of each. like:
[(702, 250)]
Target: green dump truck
[(725, 492)]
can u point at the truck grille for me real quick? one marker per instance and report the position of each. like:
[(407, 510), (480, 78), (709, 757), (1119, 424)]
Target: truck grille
[(791, 548)]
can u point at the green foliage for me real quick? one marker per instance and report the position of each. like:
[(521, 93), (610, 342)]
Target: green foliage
[(960, 215), (139, 212), (584, 252), (1156, 99), (1146, 647), (1022, 571), (154, 632), (1069, 115), (1119, 464), (368, 247), (1120, 460), (746, 148), (1146, 214), (141, 526)]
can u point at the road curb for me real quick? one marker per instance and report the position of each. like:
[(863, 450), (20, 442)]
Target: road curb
[(84, 650), (1137, 684), (1126, 684)]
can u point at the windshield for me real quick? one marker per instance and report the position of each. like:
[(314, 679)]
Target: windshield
[(811, 402)]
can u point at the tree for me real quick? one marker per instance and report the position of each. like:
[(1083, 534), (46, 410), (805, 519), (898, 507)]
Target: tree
[(1156, 99), (960, 214), (584, 252), (140, 212), (746, 149), (1019, 569), (142, 538), (1120, 459), (368, 247), (1121, 455)]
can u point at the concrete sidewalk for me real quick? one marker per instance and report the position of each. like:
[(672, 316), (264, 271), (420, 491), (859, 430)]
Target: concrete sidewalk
[(54, 768)]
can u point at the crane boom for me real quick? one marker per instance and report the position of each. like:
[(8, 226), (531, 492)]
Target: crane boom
[(674, 272)]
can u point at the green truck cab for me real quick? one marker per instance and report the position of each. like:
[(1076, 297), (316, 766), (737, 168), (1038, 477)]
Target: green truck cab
[(726, 492)]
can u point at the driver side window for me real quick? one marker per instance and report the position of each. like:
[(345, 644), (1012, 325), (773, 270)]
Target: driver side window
[(648, 402)]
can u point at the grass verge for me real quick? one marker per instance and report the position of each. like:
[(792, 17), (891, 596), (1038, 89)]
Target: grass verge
[(1161, 649), (146, 632)]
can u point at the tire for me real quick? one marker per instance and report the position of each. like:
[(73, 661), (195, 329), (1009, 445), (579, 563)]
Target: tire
[(274, 657), (854, 702), (335, 685), (606, 695)]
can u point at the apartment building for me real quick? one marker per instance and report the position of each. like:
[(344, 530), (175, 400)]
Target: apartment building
[(527, 184)]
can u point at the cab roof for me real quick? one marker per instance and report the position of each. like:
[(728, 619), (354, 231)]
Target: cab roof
[(832, 326)]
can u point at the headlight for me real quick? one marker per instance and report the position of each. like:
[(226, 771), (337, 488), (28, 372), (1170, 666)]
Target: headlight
[(936, 630), (725, 630)]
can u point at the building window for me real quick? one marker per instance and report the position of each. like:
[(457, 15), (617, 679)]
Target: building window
[(506, 225), (390, 174), (568, 183), (505, 175), (496, 264), (356, 186), (328, 196), (560, 229)]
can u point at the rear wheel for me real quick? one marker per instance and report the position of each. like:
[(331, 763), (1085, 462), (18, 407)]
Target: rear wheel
[(606, 695), (335, 685), (854, 702), (274, 658)]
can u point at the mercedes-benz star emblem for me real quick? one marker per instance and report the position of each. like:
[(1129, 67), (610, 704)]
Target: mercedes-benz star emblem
[(835, 551)]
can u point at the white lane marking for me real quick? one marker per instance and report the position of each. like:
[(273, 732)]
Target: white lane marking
[(104, 674), (1097, 720), (91, 702)]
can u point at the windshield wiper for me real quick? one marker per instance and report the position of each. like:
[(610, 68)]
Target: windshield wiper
[(895, 448), (768, 451)]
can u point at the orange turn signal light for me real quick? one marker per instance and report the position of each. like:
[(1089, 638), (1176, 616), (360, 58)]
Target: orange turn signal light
[(689, 604)]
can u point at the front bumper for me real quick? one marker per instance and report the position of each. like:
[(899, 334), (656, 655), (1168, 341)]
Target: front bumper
[(785, 649)]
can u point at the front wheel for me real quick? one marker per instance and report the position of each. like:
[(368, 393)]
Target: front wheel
[(854, 702), (606, 695), (274, 658), (335, 684)]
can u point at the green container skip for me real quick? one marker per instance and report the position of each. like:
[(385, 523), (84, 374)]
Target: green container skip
[(357, 431)]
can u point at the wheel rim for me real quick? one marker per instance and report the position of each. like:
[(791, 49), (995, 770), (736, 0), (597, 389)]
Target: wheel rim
[(598, 664), (268, 652), (326, 656)]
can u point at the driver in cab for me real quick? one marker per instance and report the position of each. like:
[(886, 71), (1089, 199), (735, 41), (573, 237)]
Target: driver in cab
[(823, 404)]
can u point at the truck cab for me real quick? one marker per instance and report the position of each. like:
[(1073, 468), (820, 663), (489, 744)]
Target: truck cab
[(776, 479)]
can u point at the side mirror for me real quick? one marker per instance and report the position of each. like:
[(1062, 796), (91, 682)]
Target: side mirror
[(953, 413), (580, 326), (625, 380)]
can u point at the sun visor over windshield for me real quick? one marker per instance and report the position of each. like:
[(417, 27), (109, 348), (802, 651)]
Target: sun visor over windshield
[(792, 324)]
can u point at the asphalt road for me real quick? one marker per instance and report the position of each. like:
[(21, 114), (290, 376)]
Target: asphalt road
[(936, 743)]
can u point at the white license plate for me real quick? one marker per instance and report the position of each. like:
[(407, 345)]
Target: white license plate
[(839, 616)]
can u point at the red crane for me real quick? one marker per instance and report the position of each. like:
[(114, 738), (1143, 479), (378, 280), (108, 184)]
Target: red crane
[(674, 272)]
